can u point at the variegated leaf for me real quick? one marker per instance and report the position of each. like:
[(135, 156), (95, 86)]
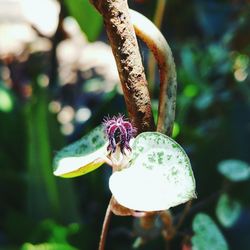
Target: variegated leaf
[(159, 175), (82, 156)]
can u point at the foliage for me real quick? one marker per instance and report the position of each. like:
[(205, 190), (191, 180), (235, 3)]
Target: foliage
[(82, 156), (165, 177), (85, 14), (228, 210), (234, 170), (207, 234), (160, 162)]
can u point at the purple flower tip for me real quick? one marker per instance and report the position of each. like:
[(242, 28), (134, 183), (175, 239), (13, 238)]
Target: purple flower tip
[(119, 131)]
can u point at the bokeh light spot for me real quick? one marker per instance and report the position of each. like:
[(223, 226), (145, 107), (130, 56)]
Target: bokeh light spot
[(67, 129), (83, 114), (66, 115), (6, 103), (43, 80), (54, 107), (240, 75)]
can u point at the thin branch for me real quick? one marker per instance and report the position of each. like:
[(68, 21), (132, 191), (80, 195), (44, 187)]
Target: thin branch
[(154, 39), (158, 17), (200, 205), (183, 215), (128, 60), (159, 13), (105, 227), (168, 229)]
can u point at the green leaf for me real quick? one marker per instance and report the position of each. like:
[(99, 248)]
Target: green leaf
[(227, 210), (87, 17), (234, 170), (207, 234), (191, 90), (58, 233), (40, 180), (159, 175), (6, 99), (83, 156), (47, 246)]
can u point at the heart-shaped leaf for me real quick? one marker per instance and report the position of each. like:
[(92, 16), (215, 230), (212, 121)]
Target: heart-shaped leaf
[(207, 234), (234, 170), (83, 156), (228, 210), (159, 175)]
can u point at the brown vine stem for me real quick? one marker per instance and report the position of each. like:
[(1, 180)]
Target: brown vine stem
[(183, 215), (154, 39), (124, 45), (122, 38), (105, 227)]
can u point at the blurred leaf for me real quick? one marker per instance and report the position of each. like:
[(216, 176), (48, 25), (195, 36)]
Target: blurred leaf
[(228, 210), (188, 62), (59, 233), (155, 109), (52, 234), (176, 130), (241, 61), (137, 243), (41, 183), (234, 170), (207, 234), (204, 100), (191, 90), (47, 246), (87, 16), (165, 177), (6, 99), (93, 85), (214, 16), (58, 199), (82, 156)]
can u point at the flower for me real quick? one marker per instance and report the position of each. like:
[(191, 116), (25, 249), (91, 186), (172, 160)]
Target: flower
[(155, 174), (119, 132)]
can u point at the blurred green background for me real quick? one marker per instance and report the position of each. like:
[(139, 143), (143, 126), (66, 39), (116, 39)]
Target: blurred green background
[(58, 80)]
